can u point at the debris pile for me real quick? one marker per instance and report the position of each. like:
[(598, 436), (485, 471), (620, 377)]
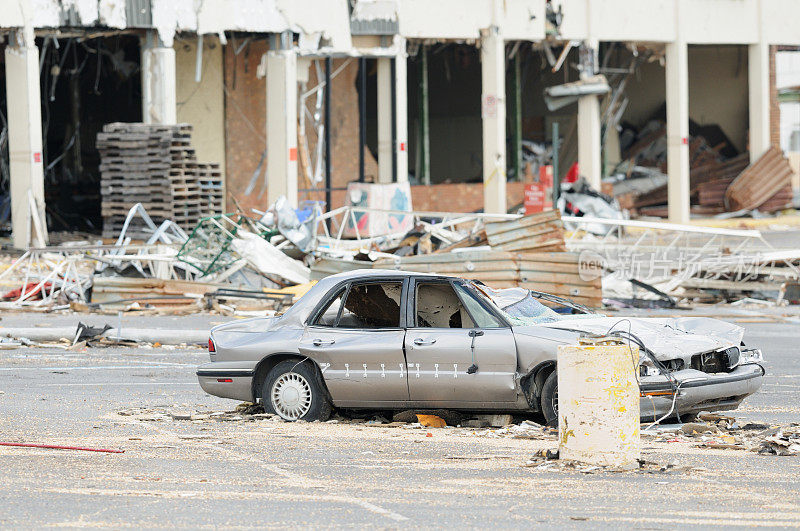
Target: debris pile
[(724, 432), (721, 179)]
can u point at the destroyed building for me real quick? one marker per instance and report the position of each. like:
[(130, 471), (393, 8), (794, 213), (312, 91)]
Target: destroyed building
[(458, 99)]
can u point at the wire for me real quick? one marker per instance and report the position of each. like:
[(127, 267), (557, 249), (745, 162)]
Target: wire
[(671, 408), (674, 384), (634, 361)]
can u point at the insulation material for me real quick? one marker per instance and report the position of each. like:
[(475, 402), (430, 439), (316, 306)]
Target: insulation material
[(598, 403), (394, 196), (331, 19), (172, 15), (326, 24), (267, 259), (111, 13), (87, 10), (375, 10), (11, 15), (44, 13), (261, 16)]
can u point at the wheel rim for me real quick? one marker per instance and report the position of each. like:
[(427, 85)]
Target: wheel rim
[(291, 396), (554, 402)]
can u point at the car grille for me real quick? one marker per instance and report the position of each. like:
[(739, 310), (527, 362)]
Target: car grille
[(719, 361)]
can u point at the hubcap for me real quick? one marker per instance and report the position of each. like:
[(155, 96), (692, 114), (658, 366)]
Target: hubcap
[(291, 396)]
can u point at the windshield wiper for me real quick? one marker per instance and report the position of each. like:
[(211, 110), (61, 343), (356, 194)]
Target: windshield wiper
[(560, 300)]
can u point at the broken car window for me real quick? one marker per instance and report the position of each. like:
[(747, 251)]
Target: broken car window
[(482, 317), (372, 305), (438, 306), (328, 316)]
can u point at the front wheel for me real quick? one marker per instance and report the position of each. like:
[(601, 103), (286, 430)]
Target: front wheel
[(291, 391), (549, 400)]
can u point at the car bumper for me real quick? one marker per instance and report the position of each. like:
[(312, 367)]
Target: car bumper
[(699, 391), (226, 382)]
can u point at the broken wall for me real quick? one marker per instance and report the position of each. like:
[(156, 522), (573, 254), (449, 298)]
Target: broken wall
[(202, 104), (344, 131), (245, 120)]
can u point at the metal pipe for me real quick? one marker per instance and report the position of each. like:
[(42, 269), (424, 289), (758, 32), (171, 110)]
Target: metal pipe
[(424, 120), (362, 115), (556, 176), (327, 90), (516, 116), (394, 120)]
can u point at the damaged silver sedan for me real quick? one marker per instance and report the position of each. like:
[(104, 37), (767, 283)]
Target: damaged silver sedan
[(393, 340)]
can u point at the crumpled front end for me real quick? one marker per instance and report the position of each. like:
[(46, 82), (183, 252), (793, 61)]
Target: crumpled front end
[(690, 391)]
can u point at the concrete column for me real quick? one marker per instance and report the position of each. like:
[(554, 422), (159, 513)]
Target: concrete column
[(385, 120), (401, 110), (589, 138), (493, 113), (281, 76), (23, 101), (158, 82), (758, 87), (677, 75)]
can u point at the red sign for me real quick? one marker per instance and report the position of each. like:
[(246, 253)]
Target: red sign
[(402, 146), (293, 154), (536, 198), (37, 156)]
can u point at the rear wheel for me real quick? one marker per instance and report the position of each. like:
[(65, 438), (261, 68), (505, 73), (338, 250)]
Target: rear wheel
[(291, 391), (549, 399)]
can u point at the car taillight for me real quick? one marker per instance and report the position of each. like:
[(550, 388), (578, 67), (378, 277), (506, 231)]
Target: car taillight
[(211, 347)]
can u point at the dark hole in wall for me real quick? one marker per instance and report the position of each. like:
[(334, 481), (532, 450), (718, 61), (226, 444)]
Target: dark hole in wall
[(81, 93)]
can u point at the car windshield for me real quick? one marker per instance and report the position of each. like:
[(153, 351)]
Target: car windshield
[(519, 306)]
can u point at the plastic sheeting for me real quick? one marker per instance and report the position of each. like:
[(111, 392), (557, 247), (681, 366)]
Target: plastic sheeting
[(268, 259)]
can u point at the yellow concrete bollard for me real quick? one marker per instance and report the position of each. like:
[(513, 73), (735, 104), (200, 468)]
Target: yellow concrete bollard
[(598, 402)]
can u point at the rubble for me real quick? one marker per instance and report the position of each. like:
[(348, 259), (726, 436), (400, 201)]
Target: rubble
[(721, 180)]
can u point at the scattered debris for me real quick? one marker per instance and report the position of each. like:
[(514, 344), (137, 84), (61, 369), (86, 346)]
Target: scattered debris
[(60, 447), (431, 421)]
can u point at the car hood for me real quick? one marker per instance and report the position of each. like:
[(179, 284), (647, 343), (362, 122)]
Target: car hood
[(667, 338)]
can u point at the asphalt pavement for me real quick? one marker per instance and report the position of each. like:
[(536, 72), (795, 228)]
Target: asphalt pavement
[(196, 474)]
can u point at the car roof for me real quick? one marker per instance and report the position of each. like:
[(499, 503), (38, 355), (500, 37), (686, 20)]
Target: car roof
[(361, 273)]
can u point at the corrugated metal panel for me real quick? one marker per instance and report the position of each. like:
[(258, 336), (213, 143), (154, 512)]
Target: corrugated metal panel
[(373, 27), (138, 13)]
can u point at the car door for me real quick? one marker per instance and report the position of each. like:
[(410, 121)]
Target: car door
[(450, 330), (357, 338)]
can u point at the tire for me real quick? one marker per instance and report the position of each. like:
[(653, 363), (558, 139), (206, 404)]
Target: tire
[(549, 399), (292, 391)]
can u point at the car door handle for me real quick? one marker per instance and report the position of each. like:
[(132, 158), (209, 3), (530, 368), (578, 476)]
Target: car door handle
[(320, 342), (420, 341)]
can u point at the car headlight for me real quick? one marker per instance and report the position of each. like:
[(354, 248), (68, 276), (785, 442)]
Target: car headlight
[(751, 355)]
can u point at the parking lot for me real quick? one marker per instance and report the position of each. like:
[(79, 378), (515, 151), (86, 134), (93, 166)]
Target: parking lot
[(263, 473)]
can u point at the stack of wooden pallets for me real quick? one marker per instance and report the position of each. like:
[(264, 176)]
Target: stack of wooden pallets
[(212, 194), (154, 165)]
